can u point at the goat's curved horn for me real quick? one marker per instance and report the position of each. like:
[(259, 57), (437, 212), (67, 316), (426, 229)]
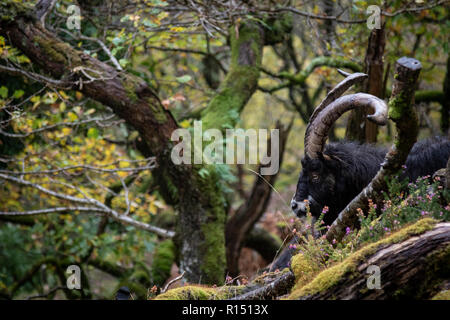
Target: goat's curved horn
[(317, 131), (338, 91), (335, 93)]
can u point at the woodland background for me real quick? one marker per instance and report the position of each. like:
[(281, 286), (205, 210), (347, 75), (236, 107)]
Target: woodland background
[(86, 117)]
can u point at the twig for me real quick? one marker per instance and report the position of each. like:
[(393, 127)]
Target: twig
[(172, 281)]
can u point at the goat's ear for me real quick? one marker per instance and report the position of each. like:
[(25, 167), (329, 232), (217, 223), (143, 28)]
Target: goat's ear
[(331, 161), (324, 157)]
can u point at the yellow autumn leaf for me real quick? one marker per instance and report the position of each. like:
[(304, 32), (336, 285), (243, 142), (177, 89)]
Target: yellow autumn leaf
[(72, 116), (123, 164)]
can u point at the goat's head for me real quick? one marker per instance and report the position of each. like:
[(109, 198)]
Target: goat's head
[(320, 176)]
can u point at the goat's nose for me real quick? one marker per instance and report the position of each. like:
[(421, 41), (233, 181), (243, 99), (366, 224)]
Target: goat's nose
[(294, 205)]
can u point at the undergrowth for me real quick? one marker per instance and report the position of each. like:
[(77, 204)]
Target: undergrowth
[(403, 204)]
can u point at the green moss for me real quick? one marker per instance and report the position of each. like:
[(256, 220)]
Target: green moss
[(301, 77), (241, 81), (397, 105), (214, 261), (443, 295), (163, 259), (277, 29), (141, 275), (333, 275), (130, 89), (196, 292), (158, 112), (304, 270)]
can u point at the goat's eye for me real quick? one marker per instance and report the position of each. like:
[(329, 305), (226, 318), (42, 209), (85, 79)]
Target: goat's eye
[(315, 177)]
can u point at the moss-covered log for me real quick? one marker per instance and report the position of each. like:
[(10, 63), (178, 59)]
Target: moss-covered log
[(412, 262), (280, 286), (401, 111)]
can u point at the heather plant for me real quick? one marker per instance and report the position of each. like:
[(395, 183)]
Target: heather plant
[(404, 203)]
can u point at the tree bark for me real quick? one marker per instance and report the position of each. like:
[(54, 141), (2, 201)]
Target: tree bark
[(445, 113), (358, 127)]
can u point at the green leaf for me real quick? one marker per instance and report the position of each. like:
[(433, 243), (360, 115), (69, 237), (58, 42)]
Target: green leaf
[(4, 92), (92, 133), (184, 79), (123, 62), (18, 94)]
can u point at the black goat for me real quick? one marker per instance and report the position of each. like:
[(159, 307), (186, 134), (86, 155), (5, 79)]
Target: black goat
[(334, 174)]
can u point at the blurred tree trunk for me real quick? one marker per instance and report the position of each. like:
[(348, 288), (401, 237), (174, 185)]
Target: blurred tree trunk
[(242, 222), (358, 127), (445, 114)]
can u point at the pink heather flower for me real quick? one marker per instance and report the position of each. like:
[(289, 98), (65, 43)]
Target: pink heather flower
[(348, 230), (334, 241), (325, 209)]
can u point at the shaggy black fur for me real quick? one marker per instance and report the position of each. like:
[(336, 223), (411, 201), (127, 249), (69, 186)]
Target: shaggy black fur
[(345, 168)]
